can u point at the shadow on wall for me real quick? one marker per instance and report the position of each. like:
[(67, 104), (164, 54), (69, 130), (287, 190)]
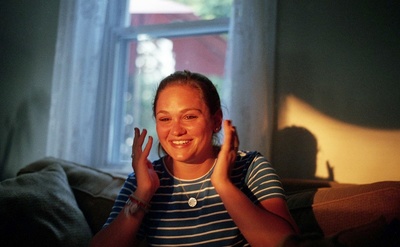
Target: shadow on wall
[(21, 143), (294, 154)]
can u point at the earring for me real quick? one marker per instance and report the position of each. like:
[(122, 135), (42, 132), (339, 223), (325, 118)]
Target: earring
[(216, 129)]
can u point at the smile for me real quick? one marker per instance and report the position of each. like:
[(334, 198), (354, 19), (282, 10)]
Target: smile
[(180, 142)]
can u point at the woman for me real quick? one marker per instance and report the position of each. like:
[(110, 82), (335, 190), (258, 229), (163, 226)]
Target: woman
[(198, 193)]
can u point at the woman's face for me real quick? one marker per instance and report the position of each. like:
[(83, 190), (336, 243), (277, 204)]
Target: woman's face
[(184, 125)]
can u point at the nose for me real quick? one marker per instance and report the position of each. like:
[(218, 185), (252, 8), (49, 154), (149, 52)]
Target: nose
[(177, 129)]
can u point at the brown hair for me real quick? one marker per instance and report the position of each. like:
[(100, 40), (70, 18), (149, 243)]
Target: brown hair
[(202, 83)]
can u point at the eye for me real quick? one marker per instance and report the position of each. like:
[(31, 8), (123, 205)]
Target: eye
[(190, 117), (163, 119)]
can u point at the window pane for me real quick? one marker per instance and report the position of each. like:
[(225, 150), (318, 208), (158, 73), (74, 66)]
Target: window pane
[(150, 60), (198, 47), (149, 12)]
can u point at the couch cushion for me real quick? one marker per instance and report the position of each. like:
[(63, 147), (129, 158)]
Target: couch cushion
[(39, 209), (347, 207), (95, 190), (373, 234)]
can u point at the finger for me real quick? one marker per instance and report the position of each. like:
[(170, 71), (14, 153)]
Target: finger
[(138, 141), (231, 137), (227, 135), (147, 148), (136, 135), (140, 159), (141, 138), (135, 140), (235, 139)]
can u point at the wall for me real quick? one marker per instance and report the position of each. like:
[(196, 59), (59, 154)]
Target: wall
[(27, 45), (338, 76)]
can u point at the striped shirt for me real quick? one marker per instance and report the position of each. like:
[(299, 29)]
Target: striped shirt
[(172, 222)]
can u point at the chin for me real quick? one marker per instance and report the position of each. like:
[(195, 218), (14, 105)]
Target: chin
[(179, 157)]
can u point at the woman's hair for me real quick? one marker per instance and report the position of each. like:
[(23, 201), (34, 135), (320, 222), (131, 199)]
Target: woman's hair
[(196, 80), (207, 90)]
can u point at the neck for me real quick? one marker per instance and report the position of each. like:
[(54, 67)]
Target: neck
[(184, 170)]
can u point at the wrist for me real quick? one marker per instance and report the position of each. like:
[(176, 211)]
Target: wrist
[(134, 204), (221, 184), (144, 196)]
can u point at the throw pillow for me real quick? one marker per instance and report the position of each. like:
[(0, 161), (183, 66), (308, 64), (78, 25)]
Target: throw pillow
[(95, 190), (39, 209)]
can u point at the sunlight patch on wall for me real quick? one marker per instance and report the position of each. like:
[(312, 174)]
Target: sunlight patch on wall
[(358, 154)]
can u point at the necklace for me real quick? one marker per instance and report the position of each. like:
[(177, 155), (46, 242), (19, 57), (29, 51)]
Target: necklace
[(192, 201)]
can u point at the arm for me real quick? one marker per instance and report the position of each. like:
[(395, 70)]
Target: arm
[(266, 224), (121, 232), (123, 229)]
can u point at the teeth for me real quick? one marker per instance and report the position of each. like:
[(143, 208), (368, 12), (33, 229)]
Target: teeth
[(180, 142)]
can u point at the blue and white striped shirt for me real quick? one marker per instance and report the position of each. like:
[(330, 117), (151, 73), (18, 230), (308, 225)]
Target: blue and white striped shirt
[(172, 222)]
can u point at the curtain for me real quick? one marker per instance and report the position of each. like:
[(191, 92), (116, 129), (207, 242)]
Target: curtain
[(83, 28), (250, 73), (81, 99)]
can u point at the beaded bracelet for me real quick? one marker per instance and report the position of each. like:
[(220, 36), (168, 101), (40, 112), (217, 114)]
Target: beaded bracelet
[(141, 204)]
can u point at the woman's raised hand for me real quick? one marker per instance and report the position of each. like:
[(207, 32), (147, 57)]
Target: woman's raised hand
[(227, 154), (147, 179)]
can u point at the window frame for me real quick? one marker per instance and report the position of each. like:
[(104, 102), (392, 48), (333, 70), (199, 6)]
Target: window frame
[(123, 37)]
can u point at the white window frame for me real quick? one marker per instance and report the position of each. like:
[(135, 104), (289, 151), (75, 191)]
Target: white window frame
[(126, 35)]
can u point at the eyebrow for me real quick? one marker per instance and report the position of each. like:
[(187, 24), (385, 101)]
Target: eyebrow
[(183, 111)]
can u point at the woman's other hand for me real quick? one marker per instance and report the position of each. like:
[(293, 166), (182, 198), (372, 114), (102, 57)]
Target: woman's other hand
[(147, 179), (227, 154)]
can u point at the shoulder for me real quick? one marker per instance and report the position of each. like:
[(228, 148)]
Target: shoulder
[(249, 157), (258, 176), (247, 160), (253, 163)]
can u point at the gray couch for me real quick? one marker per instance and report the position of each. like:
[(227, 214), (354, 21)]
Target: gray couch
[(53, 202)]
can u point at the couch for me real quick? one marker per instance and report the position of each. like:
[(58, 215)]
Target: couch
[(53, 202)]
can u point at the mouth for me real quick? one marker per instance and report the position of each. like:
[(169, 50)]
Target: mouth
[(180, 142)]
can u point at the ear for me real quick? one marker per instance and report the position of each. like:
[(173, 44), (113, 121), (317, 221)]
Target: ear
[(217, 118)]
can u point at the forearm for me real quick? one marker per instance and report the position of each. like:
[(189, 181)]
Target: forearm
[(121, 232), (123, 229), (259, 226)]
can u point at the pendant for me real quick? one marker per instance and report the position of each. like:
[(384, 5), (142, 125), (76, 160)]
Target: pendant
[(192, 202)]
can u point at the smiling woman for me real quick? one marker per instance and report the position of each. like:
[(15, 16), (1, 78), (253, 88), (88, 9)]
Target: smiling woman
[(197, 192), (183, 122), (175, 107)]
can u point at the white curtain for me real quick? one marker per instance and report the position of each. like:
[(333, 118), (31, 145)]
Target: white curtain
[(81, 97), (77, 80), (250, 72)]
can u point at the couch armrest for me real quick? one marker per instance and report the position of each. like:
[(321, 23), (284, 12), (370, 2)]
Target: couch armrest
[(329, 210), (340, 208)]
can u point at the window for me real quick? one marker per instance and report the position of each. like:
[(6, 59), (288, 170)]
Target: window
[(94, 81), (163, 36)]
